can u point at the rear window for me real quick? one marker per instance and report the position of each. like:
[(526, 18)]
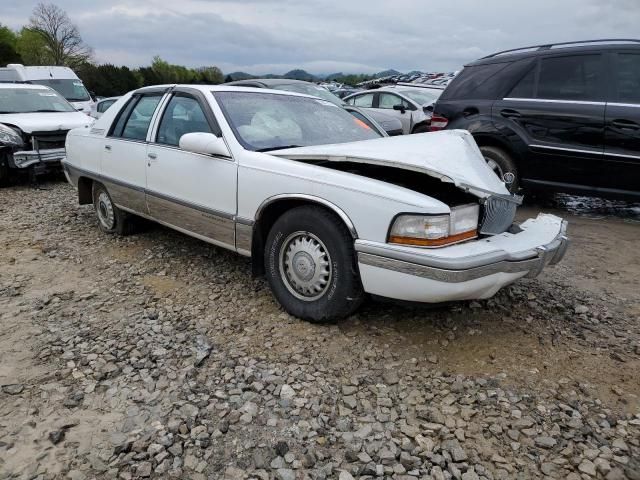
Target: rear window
[(468, 82), (628, 77)]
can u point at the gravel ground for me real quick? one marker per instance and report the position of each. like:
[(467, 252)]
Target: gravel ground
[(157, 355)]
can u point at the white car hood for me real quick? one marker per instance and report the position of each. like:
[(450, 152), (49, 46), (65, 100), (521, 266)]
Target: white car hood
[(451, 156), (46, 121)]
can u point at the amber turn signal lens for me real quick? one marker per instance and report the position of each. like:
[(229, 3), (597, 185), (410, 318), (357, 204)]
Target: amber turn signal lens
[(437, 242)]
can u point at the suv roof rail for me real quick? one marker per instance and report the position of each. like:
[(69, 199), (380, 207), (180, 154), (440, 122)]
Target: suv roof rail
[(549, 46)]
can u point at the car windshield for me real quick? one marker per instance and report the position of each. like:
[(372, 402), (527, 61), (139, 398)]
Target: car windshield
[(32, 100), (72, 90), (421, 96), (309, 89), (267, 121)]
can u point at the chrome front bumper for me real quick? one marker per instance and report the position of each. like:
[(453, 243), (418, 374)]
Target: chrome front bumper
[(26, 158), (464, 268)]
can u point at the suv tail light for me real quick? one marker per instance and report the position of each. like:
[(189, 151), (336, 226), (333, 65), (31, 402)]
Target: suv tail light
[(438, 123)]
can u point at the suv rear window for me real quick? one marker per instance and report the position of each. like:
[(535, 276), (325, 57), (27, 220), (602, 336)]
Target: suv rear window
[(468, 81)]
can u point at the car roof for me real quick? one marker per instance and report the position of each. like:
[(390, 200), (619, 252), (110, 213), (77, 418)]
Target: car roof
[(269, 81), (582, 46), (31, 86), (225, 87)]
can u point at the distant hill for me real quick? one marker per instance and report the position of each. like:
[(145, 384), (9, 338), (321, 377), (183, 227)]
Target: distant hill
[(240, 75), (387, 73), (333, 75), (299, 74)]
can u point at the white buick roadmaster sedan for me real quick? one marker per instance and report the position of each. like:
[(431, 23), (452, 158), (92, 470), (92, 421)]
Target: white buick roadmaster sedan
[(325, 207)]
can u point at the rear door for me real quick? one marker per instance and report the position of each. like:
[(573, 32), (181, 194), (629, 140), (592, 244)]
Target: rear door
[(558, 108), (622, 125), (123, 162)]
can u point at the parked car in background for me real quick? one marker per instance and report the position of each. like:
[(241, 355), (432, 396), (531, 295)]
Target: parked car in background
[(390, 124), (61, 79), (34, 121), (411, 105), (559, 117), (98, 108), (345, 92), (326, 208)]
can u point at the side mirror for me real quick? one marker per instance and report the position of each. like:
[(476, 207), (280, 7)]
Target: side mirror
[(428, 109), (204, 143), (400, 107)]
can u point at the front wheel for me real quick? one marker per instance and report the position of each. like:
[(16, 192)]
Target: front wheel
[(503, 166), (310, 265)]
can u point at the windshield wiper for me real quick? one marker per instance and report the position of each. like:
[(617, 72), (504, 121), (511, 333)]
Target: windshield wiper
[(77, 99), (281, 147), (45, 110)]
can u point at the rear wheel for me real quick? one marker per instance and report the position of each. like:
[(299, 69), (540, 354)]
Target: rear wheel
[(111, 219), (310, 265), (503, 166)]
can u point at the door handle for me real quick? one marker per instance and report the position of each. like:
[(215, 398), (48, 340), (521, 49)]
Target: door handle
[(107, 147), (508, 113), (628, 124), (152, 155)]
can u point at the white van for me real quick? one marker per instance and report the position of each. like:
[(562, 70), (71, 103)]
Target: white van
[(62, 79)]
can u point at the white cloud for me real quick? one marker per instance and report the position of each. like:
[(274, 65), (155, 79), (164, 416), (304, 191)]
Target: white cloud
[(263, 36)]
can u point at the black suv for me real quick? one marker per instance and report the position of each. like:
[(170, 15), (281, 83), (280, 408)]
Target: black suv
[(564, 117)]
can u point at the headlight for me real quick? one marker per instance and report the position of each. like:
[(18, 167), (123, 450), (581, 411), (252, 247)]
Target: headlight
[(9, 136), (436, 230)]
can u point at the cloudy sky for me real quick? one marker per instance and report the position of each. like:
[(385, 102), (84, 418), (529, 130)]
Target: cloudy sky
[(326, 36)]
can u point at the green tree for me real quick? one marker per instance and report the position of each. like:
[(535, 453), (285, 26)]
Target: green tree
[(32, 48), (211, 75), (8, 46)]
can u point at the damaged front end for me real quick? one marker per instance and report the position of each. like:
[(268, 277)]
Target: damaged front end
[(40, 151)]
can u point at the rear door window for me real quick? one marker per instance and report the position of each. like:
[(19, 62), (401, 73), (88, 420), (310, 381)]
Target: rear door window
[(365, 101), (133, 122), (577, 77), (628, 78)]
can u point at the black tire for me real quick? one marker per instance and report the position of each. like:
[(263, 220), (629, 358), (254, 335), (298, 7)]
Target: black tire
[(421, 129), (338, 293), (111, 219), (5, 171), (502, 163)]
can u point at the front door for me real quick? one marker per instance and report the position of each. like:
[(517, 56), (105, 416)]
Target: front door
[(190, 191), (622, 126), (559, 108), (387, 102), (123, 162)]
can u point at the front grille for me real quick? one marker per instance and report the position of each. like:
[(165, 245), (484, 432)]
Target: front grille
[(498, 215), (48, 140)]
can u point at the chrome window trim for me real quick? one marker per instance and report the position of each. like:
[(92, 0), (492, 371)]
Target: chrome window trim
[(548, 100)]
